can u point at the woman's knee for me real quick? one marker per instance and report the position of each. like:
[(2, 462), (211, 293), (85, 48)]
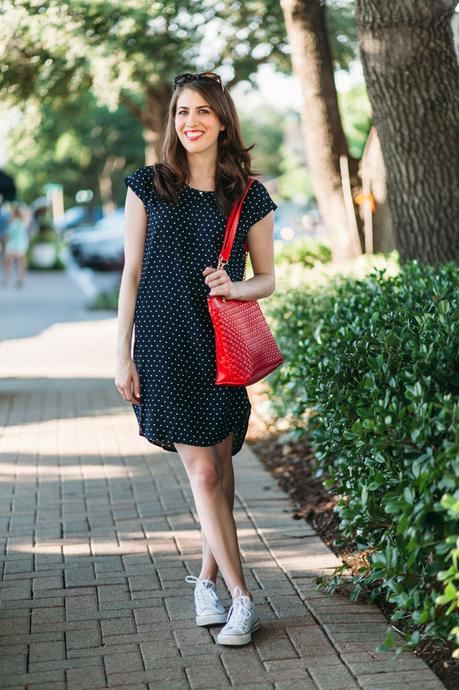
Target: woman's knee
[(204, 474)]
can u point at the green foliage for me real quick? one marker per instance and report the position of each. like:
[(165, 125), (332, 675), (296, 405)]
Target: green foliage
[(449, 577), (293, 276), (46, 235), (106, 300), (295, 180), (75, 143), (305, 251), (265, 130), (355, 112), (123, 57), (129, 52), (117, 50), (342, 29), (374, 366)]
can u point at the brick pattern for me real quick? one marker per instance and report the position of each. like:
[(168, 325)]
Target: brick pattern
[(98, 530)]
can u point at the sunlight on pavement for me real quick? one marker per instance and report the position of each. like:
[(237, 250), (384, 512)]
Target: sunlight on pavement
[(25, 472), (75, 437), (76, 349)]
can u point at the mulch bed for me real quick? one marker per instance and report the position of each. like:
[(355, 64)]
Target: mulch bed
[(293, 464)]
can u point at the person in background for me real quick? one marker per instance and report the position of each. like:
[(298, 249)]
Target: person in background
[(17, 243), (4, 219)]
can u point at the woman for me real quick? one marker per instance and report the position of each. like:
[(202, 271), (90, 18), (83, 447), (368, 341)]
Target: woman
[(176, 213), (17, 243)]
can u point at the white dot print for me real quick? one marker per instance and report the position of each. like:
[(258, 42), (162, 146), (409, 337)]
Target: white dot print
[(174, 342)]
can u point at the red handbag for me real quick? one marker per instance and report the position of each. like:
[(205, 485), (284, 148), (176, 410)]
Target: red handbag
[(245, 347)]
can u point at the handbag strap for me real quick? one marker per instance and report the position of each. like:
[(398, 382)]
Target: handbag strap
[(231, 227)]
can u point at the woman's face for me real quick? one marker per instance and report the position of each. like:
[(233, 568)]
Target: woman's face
[(196, 123)]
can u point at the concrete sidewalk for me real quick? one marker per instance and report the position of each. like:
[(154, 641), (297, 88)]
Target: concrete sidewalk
[(98, 530)]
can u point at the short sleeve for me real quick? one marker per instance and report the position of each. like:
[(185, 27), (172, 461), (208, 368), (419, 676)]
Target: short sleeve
[(141, 183), (258, 203)]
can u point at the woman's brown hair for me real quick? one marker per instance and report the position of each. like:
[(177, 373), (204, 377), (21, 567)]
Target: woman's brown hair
[(233, 159)]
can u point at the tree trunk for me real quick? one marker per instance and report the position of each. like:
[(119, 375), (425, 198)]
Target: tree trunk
[(412, 78), (153, 118), (372, 169), (113, 164), (157, 106), (324, 137)]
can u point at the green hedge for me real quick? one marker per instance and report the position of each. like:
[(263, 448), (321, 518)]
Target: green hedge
[(47, 235), (304, 250), (371, 373), (106, 299)]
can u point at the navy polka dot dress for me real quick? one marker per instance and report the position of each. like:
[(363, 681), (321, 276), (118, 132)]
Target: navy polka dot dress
[(174, 343)]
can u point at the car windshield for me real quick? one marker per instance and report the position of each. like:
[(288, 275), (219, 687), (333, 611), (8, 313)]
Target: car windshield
[(112, 220)]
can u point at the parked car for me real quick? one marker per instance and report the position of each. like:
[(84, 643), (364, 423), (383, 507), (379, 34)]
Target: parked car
[(102, 246), (77, 217), (105, 255)]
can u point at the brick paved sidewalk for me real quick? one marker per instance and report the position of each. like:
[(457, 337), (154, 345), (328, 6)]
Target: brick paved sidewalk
[(98, 531)]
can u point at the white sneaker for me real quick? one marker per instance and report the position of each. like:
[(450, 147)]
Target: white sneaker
[(209, 608), (242, 621)]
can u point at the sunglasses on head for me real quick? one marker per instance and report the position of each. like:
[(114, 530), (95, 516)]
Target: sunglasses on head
[(202, 76)]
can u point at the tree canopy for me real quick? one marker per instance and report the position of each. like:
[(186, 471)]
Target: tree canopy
[(129, 52)]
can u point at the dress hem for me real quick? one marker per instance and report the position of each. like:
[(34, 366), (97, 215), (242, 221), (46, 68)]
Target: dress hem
[(168, 445)]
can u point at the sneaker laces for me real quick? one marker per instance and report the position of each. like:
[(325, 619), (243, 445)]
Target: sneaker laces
[(203, 592), (239, 613)]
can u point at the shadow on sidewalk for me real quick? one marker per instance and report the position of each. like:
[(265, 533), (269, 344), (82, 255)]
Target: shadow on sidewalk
[(22, 400)]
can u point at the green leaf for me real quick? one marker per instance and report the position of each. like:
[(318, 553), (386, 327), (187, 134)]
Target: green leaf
[(443, 306), (364, 495), (449, 594), (409, 494)]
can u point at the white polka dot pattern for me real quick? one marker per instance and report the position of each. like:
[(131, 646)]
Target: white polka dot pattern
[(174, 341)]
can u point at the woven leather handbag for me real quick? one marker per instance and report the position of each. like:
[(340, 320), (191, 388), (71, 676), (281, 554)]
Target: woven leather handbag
[(245, 347)]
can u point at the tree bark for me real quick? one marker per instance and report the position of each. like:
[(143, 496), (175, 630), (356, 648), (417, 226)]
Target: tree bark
[(112, 164), (157, 106), (412, 77), (324, 137), (153, 118), (373, 169)]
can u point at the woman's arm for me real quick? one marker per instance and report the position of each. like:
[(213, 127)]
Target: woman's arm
[(135, 224), (260, 240)]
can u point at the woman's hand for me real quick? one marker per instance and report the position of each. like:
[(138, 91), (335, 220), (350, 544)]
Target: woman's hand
[(220, 283), (127, 380)]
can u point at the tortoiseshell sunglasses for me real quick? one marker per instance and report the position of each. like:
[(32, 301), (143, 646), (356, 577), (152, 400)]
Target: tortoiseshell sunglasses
[(201, 76)]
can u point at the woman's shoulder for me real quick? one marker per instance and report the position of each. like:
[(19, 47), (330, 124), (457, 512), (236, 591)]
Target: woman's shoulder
[(258, 192), (256, 184), (258, 201), (141, 182), (145, 172)]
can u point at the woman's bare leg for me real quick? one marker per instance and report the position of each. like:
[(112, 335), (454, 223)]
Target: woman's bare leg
[(209, 568), (21, 268), (7, 263), (215, 514)]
